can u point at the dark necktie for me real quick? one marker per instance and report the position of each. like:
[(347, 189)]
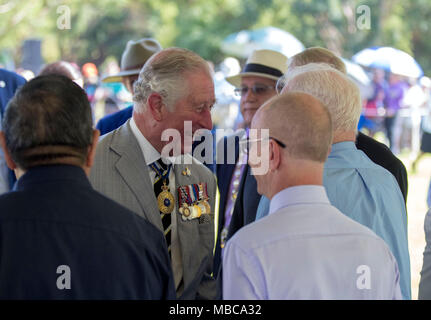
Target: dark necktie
[(162, 178)]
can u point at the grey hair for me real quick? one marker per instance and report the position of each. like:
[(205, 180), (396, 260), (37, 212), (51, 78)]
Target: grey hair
[(333, 88), (164, 73)]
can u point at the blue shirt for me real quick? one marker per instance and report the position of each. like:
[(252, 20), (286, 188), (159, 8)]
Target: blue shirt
[(369, 194), (307, 249)]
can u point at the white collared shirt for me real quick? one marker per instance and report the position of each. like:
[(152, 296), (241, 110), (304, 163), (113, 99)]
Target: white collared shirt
[(151, 155), (307, 249)]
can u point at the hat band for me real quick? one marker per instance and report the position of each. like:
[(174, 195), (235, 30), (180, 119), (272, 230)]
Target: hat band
[(260, 68)]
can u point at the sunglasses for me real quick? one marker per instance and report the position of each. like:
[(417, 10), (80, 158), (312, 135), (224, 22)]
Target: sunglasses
[(256, 89)]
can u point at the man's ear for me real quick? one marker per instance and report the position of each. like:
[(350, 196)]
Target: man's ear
[(10, 163), (155, 104), (274, 155), (92, 149)]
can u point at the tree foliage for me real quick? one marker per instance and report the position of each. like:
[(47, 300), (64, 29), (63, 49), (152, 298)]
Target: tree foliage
[(102, 28)]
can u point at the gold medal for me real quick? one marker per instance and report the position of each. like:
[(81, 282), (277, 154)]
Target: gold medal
[(165, 200), (206, 206), (196, 211), (185, 211), (186, 172)]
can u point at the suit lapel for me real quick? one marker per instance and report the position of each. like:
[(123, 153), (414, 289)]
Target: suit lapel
[(132, 168)]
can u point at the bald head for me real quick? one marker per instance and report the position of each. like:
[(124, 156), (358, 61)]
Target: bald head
[(300, 121)]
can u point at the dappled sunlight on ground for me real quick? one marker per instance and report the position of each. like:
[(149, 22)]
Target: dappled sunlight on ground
[(416, 210)]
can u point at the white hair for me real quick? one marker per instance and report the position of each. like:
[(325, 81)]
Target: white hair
[(165, 74), (333, 88)]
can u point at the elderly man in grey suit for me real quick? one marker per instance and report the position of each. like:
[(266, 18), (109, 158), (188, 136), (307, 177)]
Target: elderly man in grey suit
[(143, 165)]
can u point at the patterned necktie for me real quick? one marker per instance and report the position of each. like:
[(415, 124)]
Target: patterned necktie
[(161, 179)]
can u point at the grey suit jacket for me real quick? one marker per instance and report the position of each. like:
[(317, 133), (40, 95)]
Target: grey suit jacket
[(120, 173)]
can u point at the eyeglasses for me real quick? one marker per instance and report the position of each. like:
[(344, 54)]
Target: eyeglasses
[(244, 144), (256, 89)]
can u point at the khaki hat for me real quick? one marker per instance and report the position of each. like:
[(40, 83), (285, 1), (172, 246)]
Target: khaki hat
[(134, 57), (262, 63)]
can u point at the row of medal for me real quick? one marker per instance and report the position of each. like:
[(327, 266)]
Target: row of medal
[(193, 201)]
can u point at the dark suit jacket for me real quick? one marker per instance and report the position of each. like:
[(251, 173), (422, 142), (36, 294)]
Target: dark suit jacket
[(247, 198), (224, 171), (113, 121), (12, 82), (55, 220), (380, 154)]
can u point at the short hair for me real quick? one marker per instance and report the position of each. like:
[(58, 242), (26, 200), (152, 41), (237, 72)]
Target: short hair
[(49, 118), (306, 125), (317, 55), (334, 89), (164, 73), (62, 68)]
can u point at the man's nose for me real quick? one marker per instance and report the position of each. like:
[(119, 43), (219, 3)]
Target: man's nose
[(206, 120)]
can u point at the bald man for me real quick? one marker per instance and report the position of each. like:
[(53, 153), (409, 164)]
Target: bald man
[(305, 248)]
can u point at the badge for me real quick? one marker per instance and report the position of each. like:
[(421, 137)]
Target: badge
[(165, 200), (186, 172)]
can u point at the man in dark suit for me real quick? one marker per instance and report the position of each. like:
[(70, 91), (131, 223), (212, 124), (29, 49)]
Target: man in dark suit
[(60, 238), (9, 83), (255, 84)]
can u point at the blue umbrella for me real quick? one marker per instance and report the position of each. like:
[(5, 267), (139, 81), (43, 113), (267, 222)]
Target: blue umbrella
[(243, 43), (389, 59)]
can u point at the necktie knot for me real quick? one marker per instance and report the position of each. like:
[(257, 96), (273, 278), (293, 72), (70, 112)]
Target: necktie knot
[(160, 168)]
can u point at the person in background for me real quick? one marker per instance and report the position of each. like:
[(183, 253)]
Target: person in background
[(255, 84), (65, 69), (60, 238), (306, 248), (133, 59), (393, 103), (9, 83)]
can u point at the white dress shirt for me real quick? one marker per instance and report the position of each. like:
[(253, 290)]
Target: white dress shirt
[(151, 155), (307, 249)]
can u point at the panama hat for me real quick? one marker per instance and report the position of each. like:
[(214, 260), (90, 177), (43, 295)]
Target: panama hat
[(134, 57), (262, 63)]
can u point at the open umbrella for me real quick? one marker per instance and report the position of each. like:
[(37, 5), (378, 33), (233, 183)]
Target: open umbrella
[(242, 44), (389, 59)]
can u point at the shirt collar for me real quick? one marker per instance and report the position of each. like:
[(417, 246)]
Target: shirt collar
[(150, 153), (306, 194), (345, 145)]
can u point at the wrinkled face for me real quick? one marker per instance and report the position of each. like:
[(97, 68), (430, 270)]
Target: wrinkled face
[(194, 106), (251, 101)]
